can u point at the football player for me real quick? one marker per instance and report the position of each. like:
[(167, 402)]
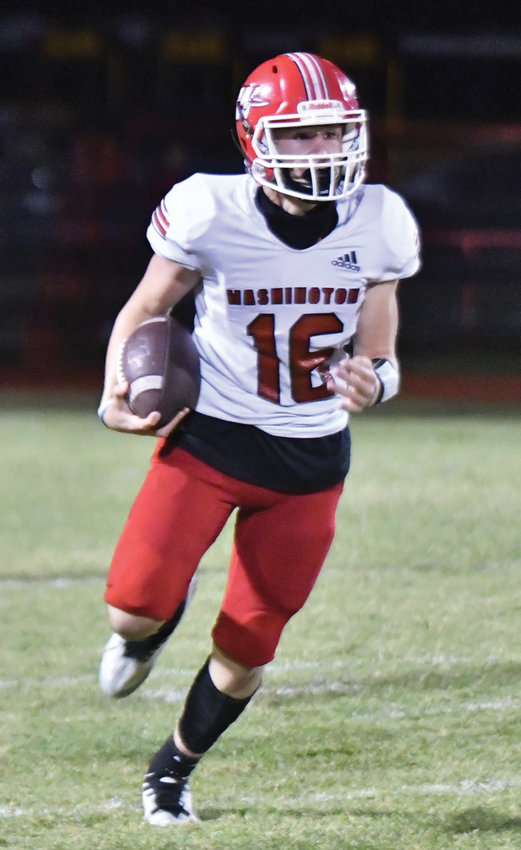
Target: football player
[(294, 267)]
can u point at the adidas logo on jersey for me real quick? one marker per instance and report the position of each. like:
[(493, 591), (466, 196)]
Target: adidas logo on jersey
[(348, 261)]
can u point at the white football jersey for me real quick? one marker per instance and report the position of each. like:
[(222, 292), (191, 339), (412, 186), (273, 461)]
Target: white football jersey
[(269, 317)]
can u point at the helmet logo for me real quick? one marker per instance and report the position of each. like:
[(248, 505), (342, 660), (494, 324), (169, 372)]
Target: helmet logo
[(320, 108), (249, 96)]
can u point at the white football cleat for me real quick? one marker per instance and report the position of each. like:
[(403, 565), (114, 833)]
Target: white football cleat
[(125, 664), (121, 671)]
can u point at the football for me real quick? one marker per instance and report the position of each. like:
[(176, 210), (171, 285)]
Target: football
[(161, 364)]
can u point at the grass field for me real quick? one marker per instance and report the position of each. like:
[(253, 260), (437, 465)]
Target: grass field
[(390, 719)]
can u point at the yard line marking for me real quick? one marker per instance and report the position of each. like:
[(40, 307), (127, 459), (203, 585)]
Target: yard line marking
[(47, 682), (467, 787), (300, 664), (56, 582), (174, 697), (273, 669), (462, 788), (11, 811), (277, 667), (165, 695), (438, 659), (65, 681)]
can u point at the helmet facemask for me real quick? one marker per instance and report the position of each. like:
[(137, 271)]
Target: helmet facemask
[(312, 176)]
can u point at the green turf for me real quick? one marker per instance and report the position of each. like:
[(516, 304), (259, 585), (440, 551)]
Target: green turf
[(388, 721)]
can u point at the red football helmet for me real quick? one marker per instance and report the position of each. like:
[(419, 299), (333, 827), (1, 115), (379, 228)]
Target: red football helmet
[(302, 90)]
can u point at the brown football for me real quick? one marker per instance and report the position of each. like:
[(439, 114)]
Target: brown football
[(161, 364)]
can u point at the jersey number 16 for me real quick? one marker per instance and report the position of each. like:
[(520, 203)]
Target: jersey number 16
[(302, 360)]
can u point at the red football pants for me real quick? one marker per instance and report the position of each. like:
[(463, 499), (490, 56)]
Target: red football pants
[(280, 544)]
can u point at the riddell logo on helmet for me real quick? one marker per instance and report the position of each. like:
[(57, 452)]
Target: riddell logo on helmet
[(319, 106)]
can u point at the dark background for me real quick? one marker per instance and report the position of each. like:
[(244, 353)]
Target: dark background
[(104, 106)]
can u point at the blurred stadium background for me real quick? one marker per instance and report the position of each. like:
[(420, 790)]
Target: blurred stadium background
[(104, 106)]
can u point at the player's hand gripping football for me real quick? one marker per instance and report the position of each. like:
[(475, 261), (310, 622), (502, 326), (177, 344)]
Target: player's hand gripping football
[(355, 380), (119, 417)]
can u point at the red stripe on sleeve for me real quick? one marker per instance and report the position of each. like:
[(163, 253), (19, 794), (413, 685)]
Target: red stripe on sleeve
[(160, 220)]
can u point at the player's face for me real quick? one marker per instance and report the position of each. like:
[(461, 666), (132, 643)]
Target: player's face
[(308, 140)]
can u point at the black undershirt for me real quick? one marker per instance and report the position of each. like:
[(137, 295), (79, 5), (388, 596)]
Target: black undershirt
[(298, 231), (287, 464)]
